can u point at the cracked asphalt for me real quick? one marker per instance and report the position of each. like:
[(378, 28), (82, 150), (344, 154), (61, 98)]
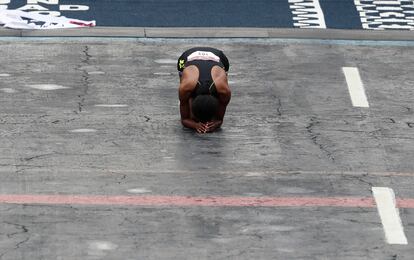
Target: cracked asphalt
[(290, 131)]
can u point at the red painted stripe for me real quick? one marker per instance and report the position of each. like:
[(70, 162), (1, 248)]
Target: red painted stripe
[(405, 203), (184, 201)]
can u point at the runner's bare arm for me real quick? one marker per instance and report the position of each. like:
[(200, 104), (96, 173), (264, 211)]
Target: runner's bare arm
[(187, 84), (224, 93)]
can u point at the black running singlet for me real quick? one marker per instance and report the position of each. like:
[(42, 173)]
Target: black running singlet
[(204, 58), (205, 84)]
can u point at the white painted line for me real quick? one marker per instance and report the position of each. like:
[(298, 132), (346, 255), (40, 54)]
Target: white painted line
[(83, 130), (4, 75), (111, 105), (101, 248), (166, 61), (390, 216), (307, 14), (255, 174), (8, 90), (162, 73), (96, 73), (47, 86), (139, 190), (355, 87)]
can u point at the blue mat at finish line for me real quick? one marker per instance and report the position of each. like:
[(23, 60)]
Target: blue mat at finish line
[(339, 14)]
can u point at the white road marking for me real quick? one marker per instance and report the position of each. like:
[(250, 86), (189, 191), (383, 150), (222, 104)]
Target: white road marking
[(166, 61), (355, 87), (162, 73), (101, 248), (47, 86), (8, 90), (83, 130), (139, 190), (390, 216), (4, 75), (111, 105), (96, 72), (255, 174)]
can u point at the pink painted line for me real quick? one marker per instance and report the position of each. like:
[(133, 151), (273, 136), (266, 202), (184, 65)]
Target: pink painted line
[(186, 201), (405, 203)]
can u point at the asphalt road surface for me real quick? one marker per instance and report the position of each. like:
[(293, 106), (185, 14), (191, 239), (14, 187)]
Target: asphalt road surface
[(95, 164)]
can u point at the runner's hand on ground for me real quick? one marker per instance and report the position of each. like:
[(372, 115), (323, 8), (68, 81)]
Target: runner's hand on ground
[(213, 125), (201, 128)]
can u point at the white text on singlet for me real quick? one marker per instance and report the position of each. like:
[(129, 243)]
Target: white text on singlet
[(203, 55)]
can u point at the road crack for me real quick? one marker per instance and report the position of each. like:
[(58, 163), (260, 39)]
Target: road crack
[(36, 157), (315, 138), (23, 230), (85, 78)]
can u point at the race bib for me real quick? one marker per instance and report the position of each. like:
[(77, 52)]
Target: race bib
[(203, 55)]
